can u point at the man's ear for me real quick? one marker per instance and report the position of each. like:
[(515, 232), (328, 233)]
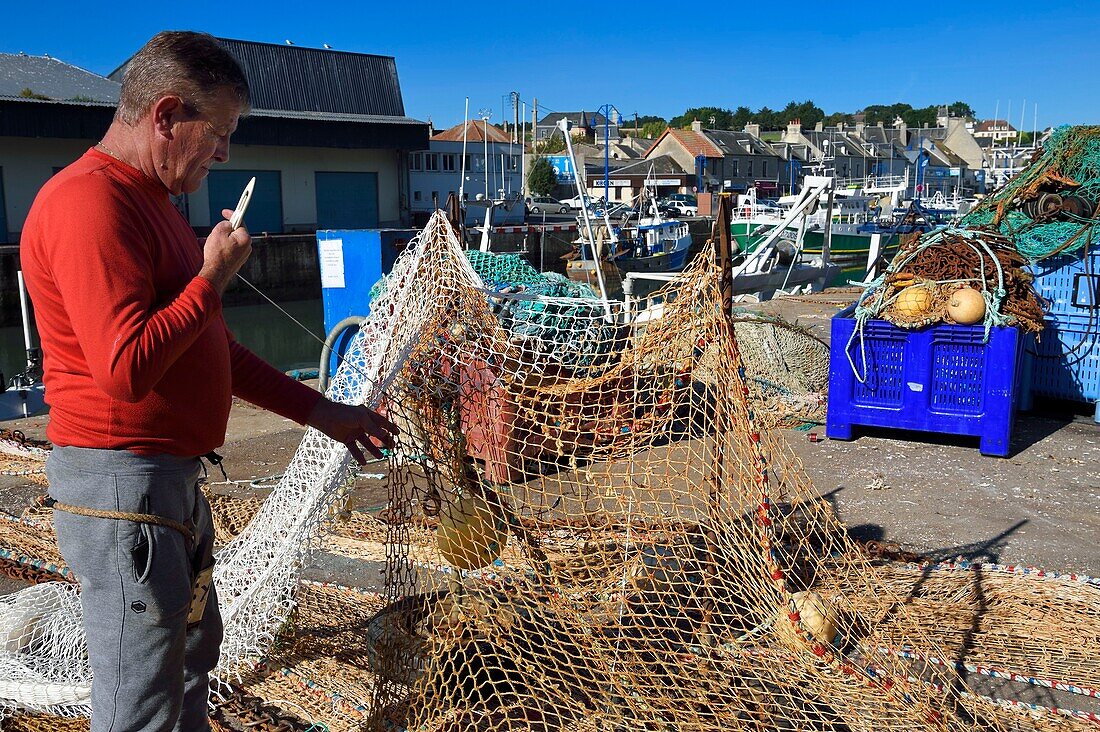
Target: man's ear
[(167, 111)]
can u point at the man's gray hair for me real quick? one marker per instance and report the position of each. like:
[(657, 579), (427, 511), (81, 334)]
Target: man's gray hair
[(192, 65)]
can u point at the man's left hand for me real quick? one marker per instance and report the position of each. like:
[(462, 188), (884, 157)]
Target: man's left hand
[(355, 426)]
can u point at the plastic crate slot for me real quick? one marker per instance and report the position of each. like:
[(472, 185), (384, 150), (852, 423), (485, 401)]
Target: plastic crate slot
[(885, 370), (958, 377)]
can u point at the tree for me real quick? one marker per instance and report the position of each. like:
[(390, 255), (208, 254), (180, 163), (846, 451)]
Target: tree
[(654, 129), (741, 117), (549, 146), (542, 178), (712, 118), (961, 109), (808, 112), (837, 118)]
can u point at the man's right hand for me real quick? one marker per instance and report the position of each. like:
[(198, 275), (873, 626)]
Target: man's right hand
[(224, 253)]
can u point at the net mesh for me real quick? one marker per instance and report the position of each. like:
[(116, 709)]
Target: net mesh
[(1051, 206), (605, 541)]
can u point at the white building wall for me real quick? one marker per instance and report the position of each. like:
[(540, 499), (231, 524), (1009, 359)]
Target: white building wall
[(27, 163), (297, 166), (424, 182)]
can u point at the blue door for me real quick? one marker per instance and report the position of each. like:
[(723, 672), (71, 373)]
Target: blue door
[(347, 200), (265, 212)]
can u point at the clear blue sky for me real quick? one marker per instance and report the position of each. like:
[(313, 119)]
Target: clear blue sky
[(653, 58)]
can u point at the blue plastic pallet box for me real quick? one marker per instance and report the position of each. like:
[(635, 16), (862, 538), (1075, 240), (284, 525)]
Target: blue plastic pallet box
[(943, 378), (1066, 363)]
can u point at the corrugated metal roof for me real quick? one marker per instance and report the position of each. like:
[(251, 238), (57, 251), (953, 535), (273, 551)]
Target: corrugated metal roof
[(337, 117), (53, 78), (299, 79)]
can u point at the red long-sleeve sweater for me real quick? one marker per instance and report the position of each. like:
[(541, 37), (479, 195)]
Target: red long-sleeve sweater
[(136, 353)]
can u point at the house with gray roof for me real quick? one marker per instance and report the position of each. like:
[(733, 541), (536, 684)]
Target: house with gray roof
[(723, 160), (586, 124), (51, 112), (327, 139)]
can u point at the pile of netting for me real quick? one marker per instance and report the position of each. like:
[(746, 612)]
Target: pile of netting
[(547, 312), (977, 272), (786, 369), (1051, 207), (568, 550), (955, 275)]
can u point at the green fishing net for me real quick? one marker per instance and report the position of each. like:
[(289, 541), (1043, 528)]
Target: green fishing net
[(1069, 165)]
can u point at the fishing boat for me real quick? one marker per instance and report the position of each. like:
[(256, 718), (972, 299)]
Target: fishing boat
[(656, 245), (860, 217), (24, 395)]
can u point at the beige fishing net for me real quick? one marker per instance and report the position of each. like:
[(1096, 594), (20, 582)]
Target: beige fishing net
[(587, 529), (605, 539)]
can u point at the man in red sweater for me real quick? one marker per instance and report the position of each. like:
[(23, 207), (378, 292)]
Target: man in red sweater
[(140, 371)]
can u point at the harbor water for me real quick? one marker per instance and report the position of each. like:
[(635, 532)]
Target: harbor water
[(262, 328)]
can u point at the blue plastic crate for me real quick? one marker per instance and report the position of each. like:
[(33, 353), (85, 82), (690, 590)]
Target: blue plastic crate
[(943, 378), (1066, 363), (1069, 285)]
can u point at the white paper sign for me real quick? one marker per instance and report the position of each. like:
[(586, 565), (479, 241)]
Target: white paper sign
[(332, 263)]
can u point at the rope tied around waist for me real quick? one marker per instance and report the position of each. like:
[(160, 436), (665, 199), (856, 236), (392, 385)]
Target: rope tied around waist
[(139, 518)]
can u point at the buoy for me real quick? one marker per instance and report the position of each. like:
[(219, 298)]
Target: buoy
[(812, 613), (470, 535), (913, 301), (966, 306)]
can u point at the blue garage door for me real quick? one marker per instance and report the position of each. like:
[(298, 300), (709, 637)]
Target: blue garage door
[(347, 200), (265, 213)]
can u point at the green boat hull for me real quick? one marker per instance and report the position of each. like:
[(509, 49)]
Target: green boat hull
[(848, 251)]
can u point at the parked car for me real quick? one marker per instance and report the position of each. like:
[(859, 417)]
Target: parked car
[(545, 204), (618, 211), (577, 202), (681, 208), (688, 198)]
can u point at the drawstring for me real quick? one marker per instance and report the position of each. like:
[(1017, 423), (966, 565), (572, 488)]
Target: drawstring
[(214, 459)]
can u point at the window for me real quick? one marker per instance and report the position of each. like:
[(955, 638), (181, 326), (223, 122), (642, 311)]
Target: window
[(435, 198), (733, 168), (431, 161), (416, 161), (763, 168), (449, 160), (416, 195), (748, 169), (514, 161)]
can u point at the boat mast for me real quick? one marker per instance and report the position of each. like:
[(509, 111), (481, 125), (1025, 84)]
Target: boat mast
[(462, 169), (578, 177)]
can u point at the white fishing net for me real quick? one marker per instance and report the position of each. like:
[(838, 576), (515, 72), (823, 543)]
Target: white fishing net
[(43, 650)]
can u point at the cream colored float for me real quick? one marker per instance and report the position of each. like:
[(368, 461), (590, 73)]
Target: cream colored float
[(470, 535)]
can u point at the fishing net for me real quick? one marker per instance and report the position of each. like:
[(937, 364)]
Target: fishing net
[(624, 549), (604, 545), (1051, 207), (786, 370), (930, 277)]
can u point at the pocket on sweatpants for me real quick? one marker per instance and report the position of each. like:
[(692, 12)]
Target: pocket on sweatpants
[(159, 582)]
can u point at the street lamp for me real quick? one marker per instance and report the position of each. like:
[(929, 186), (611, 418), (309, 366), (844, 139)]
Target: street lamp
[(606, 110)]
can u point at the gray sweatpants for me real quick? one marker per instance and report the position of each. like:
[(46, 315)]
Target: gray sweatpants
[(150, 671)]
